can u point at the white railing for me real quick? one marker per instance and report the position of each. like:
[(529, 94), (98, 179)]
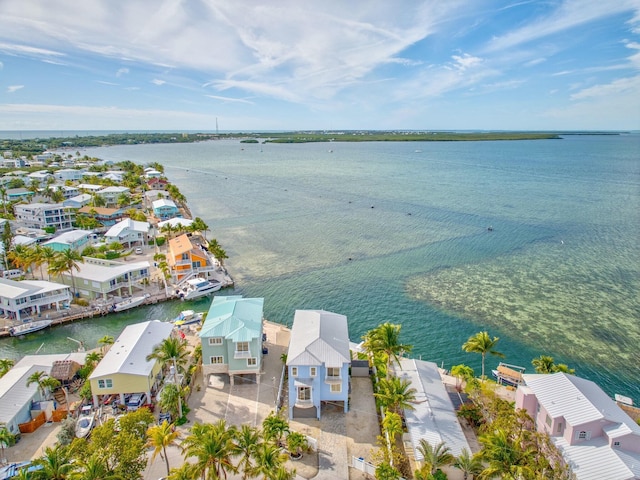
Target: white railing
[(241, 354)]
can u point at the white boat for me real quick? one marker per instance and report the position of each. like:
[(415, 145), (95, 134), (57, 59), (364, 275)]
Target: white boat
[(85, 421), (129, 303), (29, 327), (198, 287), (187, 317)]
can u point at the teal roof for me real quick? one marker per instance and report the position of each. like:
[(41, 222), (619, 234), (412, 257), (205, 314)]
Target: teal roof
[(235, 318)]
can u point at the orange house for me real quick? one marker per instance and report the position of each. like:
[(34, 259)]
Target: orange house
[(184, 258)]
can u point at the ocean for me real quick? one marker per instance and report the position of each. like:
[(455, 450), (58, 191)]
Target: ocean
[(534, 241)]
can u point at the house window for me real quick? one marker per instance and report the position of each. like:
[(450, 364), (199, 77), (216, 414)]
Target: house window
[(215, 341), (185, 256), (294, 371), (336, 387), (216, 360), (582, 435), (106, 383), (313, 371), (616, 444), (304, 394), (242, 350), (252, 362), (548, 420), (333, 372), (560, 427)]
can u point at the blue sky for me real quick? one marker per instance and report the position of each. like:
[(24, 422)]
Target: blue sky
[(330, 64)]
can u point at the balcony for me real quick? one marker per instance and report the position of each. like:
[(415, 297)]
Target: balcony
[(333, 379), (241, 354)]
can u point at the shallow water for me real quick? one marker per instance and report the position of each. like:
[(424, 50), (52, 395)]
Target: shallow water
[(380, 232)]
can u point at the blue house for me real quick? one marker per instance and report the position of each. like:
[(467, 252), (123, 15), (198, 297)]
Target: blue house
[(318, 362), (165, 209), (231, 337)]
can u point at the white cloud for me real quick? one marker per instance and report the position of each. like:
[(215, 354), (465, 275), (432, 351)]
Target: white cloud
[(14, 88), (122, 71), (465, 61), (16, 49), (620, 87), (158, 82), (229, 99), (534, 62)]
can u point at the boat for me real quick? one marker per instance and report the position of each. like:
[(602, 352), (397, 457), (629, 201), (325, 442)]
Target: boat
[(85, 421), (129, 303), (198, 287), (29, 327), (187, 317), (509, 374)]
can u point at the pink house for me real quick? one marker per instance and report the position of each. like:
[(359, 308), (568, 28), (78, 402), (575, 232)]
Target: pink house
[(597, 438)]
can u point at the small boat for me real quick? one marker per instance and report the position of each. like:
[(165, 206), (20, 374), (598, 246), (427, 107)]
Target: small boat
[(198, 287), (129, 303), (509, 374), (188, 317), (29, 327), (85, 421)]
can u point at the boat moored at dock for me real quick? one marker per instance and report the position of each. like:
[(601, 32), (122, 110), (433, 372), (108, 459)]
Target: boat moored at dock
[(29, 327)]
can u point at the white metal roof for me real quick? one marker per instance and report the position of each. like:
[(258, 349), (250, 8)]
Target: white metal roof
[(163, 202), (68, 237), (129, 352), (102, 273), (175, 221), (14, 393), (595, 460), (434, 418), (13, 289), (47, 360), (127, 224), (319, 337)]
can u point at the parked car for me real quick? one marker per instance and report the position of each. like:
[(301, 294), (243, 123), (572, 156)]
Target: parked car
[(139, 250), (136, 401)]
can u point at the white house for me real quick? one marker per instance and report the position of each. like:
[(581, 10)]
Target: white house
[(111, 194), (596, 437), (78, 201), (71, 174), (20, 300), (89, 187), (42, 215), (128, 232), (66, 190)]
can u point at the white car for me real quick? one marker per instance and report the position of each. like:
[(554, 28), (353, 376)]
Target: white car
[(139, 250)]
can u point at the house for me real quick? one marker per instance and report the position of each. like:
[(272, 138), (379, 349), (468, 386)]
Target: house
[(74, 240), (151, 196), (165, 209), (231, 337), (125, 369), (318, 362), (43, 215), (596, 437), (78, 201), (42, 176), (89, 187), (67, 191), (152, 173), (70, 174), (111, 195), (186, 259), (155, 183), (106, 216), (128, 232), (177, 222), (21, 300), (98, 278), (434, 417), (17, 194)]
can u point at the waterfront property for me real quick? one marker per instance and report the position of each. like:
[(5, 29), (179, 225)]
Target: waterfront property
[(596, 437), (43, 215), (78, 201), (318, 362), (18, 194), (106, 216), (434, 416), (99, 278), (231, 337), (187, 260), (112, 194), (125, 368), (128, 232), (74, 240), (20, 300), (164, 209)]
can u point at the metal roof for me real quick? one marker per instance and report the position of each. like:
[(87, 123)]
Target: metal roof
[(129, 224), (595, 460), (319, 337), (129, 352), (434, 418), (23, 288), (14, 393), (235, 318), (102, 273)]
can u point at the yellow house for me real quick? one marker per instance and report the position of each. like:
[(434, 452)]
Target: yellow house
[(125, 369), (184, 258)]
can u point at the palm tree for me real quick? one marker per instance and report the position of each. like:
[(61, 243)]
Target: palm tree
[(170, 350), (269, 460), (274, 427), (198, 225), (385, 340), (171, 399), (396, 394), (38, 377), (20, 256), (543, 364), (7, 439), (461, 372), (482, 343), (36, 257), (160, 437), (66, 261), (48, 255), (3, 197), (467, 463), (247, 440), (92, 358), (55, 464), (97, 201), (92, 468), (505, 457), (105, 342), (435, 457), (212, 447), (5, 366), (392, 423)]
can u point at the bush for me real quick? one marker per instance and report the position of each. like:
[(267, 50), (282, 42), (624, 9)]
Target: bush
[(471, 413), (160, 241)]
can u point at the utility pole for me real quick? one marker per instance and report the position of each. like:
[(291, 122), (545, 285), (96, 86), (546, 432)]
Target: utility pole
[(178, 386)]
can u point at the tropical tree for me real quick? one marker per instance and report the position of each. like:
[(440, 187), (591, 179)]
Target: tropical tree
[(461, 372), (5, 366), (56, 195), (386, 471), (274, 427), (170, 350), (66, 261), (92, 358), (468, 464), (482, 343), (7, 439), (396, 394), (123, 200), (97, 201), (296, 443), (3, 197), (385, 340), (47, 255), (212, 447), (43, 380), (20, 257), (198, 225), (159, 438), (505, 457), (172, 398), (392, 423), (246, 441), (105, 342), (546, 364), (435, 457), (269, 459), (92, 468), (55, 464)]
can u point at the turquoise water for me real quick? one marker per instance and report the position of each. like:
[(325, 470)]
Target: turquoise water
[(398, 232)]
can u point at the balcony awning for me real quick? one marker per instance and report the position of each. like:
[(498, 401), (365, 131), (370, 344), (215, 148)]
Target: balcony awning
[(303, 382)]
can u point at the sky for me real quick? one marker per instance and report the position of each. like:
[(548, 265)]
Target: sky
[(240, 65)]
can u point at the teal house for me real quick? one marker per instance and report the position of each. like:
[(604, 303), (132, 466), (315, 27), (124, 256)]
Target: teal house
[(231, 337)]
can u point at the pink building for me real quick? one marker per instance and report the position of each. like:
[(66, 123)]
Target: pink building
[(597, 438)]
